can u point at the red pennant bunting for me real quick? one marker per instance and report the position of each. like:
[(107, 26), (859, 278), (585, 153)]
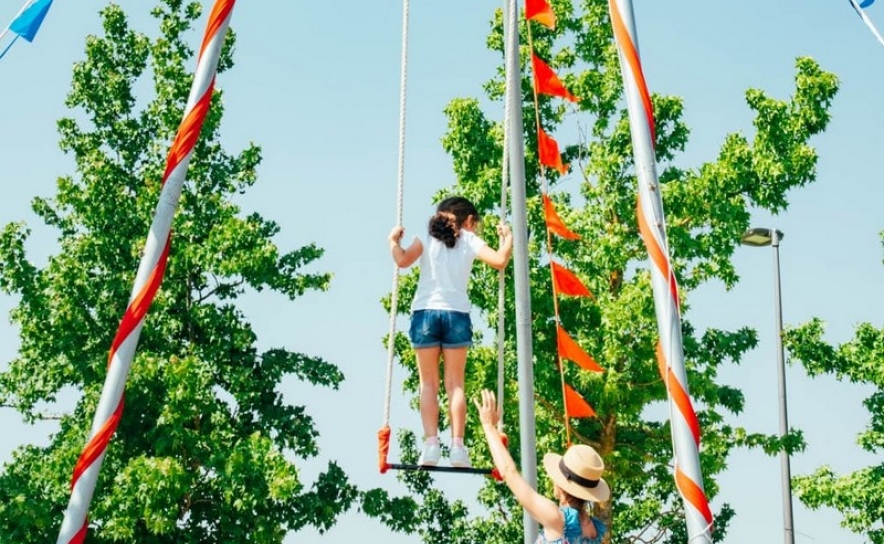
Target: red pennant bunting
[(548, 149), (576, 405), (539, 10), (547, 82), (566, 283), (571, 350), (554, 222)]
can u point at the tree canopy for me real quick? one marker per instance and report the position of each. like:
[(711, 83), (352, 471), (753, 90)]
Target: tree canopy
[(859, 495)]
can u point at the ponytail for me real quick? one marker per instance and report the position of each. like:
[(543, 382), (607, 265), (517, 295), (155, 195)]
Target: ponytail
[(444, 228), (450, 216)]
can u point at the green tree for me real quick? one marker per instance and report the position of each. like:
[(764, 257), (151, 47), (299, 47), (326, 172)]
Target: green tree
[(207, 447), (707, 209), (859, 496)]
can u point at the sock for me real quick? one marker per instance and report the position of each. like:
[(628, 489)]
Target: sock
[(431, 440), (456, 441)]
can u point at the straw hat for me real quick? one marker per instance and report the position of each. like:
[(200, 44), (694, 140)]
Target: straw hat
[(578, 473)]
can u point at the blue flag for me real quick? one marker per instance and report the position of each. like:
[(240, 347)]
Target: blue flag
[(28, 23)]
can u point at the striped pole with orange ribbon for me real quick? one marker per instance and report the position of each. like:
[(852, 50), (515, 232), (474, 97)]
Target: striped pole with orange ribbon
[(652, 225), (147, 280)]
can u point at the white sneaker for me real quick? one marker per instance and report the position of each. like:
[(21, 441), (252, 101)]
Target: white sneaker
[(459, 457), (430, 455)]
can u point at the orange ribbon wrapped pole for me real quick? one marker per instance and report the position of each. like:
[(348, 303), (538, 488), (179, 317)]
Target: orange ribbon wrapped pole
[(652, 225), (147, 281)]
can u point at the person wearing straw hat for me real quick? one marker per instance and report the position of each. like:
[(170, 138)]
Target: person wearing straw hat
[(577, 481)]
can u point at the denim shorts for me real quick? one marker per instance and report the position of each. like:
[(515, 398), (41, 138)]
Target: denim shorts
[(445, 328)]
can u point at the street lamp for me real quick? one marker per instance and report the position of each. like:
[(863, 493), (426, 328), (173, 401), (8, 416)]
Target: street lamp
[(761, 237)]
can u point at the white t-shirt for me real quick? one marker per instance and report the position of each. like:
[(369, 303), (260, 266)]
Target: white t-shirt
[(445, 273)]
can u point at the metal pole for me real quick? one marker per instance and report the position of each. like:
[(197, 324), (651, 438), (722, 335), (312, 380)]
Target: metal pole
[(524, 354), (652, 226), (74, 526), (785, 470)]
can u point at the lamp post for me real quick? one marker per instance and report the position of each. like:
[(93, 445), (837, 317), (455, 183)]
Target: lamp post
[(761, 237)]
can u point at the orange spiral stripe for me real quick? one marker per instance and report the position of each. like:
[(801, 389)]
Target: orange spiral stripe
[(656, 253), (631, 54), (693, 494), (683, 402), (680, 396), (654, 250), (220, 12), (80, 537), (188, 132), (97, 444), (141, 303), (673, 288)]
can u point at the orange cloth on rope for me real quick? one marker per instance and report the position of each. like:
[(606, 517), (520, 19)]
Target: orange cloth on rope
[(383, 448)]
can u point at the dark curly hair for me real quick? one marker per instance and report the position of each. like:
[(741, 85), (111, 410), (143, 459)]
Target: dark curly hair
[(450, 216)]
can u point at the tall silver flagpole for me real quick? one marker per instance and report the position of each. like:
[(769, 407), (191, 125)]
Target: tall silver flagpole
[(524, 352)]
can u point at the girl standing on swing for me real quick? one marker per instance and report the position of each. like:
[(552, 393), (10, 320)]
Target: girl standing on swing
[(440, 318)]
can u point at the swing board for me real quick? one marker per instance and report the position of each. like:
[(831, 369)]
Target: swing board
[(429, 468)]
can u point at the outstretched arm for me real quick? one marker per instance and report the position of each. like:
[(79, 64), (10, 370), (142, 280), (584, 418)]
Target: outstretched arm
[(501, 257), (545, 511), (404, 257)]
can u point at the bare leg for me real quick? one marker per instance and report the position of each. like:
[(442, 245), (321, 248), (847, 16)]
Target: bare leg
[(428, 372), (455, 364)]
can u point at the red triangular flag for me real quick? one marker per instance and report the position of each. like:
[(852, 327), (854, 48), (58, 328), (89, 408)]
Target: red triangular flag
[(566, 283), (576, 405), (571, 350), (548, 149), (547, 82), (554, 222), (539, 10)]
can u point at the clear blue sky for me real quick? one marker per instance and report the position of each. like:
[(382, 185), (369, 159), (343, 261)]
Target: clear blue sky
[(316, 84)]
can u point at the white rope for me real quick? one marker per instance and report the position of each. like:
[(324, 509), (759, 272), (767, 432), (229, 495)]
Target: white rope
[(510, 24), (400, 190)]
